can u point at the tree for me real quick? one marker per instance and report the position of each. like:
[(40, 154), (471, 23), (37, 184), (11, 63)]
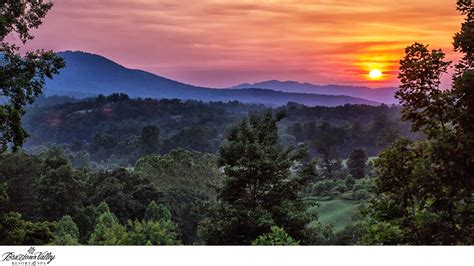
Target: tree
[(108, 231), (14, 230), (22, 78), (297, 131), (102, 141), (66, 232), (182, 168), (150, 137), (127, 193), (3, 193), (188, 179), (85, 220), (156, 229), (387, 137), (357, 163), (58, 183), (187, 205), (19, 170), (424, 188), (259, 190), (424, 103), (276, 237), (327, 143), (150, 233), (156, 212)]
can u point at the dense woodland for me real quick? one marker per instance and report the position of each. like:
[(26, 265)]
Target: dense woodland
[(115, 131), (111, 170), (126, 155)]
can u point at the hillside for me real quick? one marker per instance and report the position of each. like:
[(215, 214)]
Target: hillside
[(384, 95), (88, 75)]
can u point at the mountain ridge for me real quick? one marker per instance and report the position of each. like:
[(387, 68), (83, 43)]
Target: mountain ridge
[(383, 94), (91, 74)]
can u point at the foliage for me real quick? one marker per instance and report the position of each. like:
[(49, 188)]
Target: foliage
[(150, 233), (420, 75), (357, 163), (350, 235), (187, 180), (157, 213), (106, 133), (182, 168), (66, 232), (3, 193), (337, 213), (424, 189), (259, 190), (126, 193), (150, 138), (130, 154), (16, 231), (22, 78), (276, 237), (108, 231), (59, 183), (187, 206), (19, 171)]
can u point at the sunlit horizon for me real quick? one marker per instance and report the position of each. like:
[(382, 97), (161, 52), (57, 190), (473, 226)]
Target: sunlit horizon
[(221, 43)]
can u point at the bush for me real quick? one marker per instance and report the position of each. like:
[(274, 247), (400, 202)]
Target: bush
[(276, 237)]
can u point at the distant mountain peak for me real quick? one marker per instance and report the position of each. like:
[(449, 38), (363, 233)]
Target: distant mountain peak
[(92, 74), (385, 95)]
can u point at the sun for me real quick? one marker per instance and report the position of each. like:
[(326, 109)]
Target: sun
[(375, 74)]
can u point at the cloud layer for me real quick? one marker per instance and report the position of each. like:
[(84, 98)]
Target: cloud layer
[(224, 42)]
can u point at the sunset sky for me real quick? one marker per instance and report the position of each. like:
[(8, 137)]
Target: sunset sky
[(221, 43)]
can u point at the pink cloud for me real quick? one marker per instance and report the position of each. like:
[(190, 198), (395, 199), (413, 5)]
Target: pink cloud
[(220, 43)]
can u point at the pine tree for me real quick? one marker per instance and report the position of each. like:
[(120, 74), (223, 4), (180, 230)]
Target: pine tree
[(357, 163), (259, 191)]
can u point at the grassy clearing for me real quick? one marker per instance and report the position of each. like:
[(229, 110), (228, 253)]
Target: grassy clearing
[(337, 212)]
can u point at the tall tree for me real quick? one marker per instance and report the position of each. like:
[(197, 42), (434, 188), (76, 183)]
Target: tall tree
[(58, 183), (357, 163), (259, 191), (150, 137), (108, 230), (327, 144), (150, 233), (22, 78), (127, 193), (155, 212), (16, 231), (66, 232), (425, 189), (155, 229)]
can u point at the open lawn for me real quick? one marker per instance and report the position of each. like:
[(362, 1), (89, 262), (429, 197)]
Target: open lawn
[(337, 212)]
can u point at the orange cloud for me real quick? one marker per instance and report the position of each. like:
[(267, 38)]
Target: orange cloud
[(220, 43)]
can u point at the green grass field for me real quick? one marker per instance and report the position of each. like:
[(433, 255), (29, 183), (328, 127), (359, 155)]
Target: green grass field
[(337, 212)]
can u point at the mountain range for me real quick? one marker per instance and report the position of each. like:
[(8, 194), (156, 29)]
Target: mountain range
[(89, 74), (383, 95)]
